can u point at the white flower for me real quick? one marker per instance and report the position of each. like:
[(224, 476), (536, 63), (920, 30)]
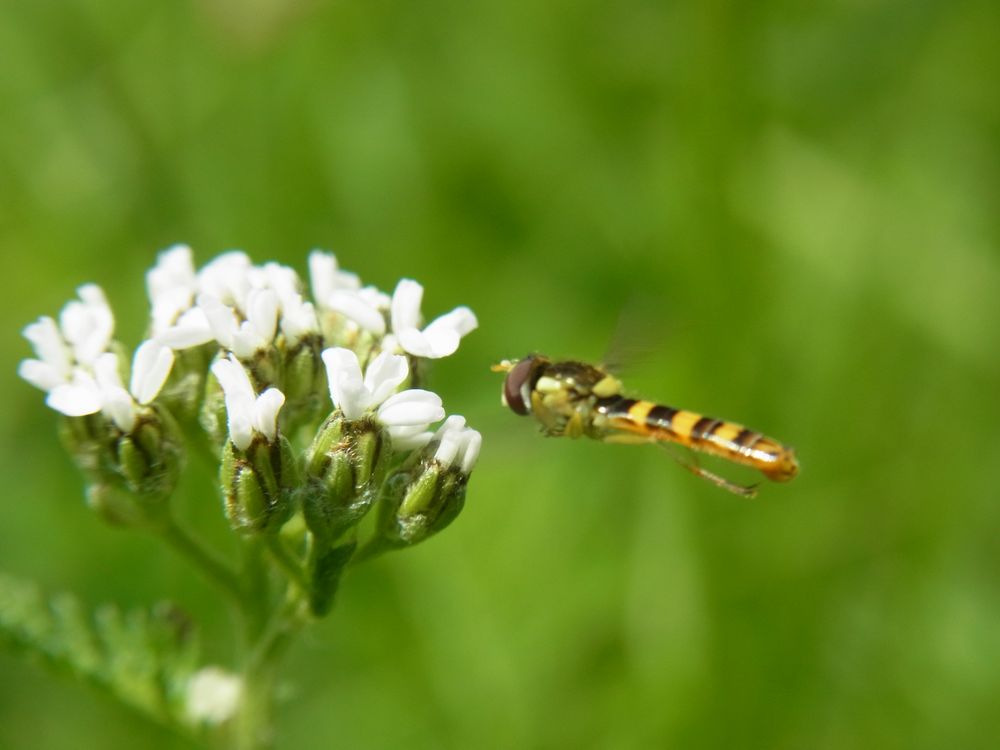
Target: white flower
[(151, 365), (326, 277), (457, 445), (354, 394), (298, 318), (405, 414), (87, 324), (171, 285), (248, 412), (227, 278), (190, 329), (82, 335), (244, 338), (212, 696), (440, 338), (78, 372), (352, 306), (103, 389), (54, 364)]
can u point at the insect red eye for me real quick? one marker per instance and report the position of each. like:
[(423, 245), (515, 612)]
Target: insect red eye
[(517, 389)]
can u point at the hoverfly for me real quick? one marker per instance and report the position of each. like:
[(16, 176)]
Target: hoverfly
[(574, 399)]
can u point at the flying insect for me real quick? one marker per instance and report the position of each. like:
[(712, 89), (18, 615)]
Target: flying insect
[(575, 399)]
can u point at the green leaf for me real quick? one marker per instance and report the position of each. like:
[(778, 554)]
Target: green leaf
[(142, 657)]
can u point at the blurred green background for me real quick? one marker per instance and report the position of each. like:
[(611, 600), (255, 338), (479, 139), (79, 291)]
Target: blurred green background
[(792, 208)]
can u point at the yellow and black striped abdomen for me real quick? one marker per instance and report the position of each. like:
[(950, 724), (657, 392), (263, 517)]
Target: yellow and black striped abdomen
[(713, 436)]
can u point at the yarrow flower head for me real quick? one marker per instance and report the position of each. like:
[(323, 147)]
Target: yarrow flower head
[(308, 393), (307, 397)]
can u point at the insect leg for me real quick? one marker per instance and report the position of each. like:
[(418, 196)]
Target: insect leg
[(692, 465)]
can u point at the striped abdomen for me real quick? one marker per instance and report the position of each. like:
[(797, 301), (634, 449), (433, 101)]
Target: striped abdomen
[(714, 436)]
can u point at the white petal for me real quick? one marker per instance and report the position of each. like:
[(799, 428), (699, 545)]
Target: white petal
[(375, 298), (298, 319), (75, 399), (441, 341), (40, 374), (408, 438), (262, 313), (235, 382), (226, 278), (266, 408), (150, 368), (169, 306), (240, 428), (191, 329), (411, 407), (283, 280), (354, 307), (414, 342), (247, 341), (347, 387), (106, 371), (448, 448), (88, 324), (326, 278), (406, 305), (454, 423), (240, 399), (221, 319), (47, 341), (383, 376), (474, 442), (173, 273), (462, 320), (407, 431), (117, 405)]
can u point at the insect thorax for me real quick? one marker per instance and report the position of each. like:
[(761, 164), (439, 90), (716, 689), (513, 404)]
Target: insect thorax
[(565, 395)]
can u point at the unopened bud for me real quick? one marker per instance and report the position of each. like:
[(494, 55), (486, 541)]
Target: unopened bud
[(182, 393), (345, 465), (130, 475), (257, 485), (212, 417), (304, 383), (419, 503)]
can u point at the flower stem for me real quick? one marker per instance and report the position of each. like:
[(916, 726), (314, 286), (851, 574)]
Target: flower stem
[(292, 567), (206, 561)]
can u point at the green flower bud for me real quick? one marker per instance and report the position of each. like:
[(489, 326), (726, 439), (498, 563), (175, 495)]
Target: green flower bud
[(212, 417), (345, 466), (130, 475), (304, 384), (419, 502), (184, 390), (258, 485)]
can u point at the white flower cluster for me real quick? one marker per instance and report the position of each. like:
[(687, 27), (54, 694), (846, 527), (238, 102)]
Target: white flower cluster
[(78, 371), (249, 313)]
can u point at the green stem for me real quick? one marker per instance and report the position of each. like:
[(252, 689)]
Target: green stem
[(206, 561), (255, 725), (291, 566)]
